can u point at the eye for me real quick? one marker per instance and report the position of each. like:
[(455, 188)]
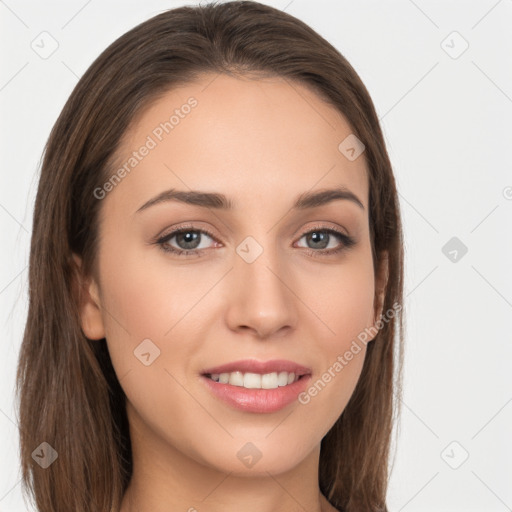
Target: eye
[(188, 240), (321, 238)]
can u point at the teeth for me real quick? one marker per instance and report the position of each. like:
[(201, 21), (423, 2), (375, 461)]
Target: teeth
[(269, 381), (255, 380), (282, 379), (252, 380), (236, 378)]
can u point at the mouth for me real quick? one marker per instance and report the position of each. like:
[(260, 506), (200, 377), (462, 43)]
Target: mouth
[(259, 387)]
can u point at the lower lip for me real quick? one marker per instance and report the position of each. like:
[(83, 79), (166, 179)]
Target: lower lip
[(257, 400)]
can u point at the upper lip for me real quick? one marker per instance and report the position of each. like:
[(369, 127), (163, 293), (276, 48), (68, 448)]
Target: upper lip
[(262, 367)]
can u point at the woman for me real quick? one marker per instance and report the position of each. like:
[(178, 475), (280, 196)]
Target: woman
[(215, 277)]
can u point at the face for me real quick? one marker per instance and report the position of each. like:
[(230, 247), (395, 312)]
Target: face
[(262, 280)]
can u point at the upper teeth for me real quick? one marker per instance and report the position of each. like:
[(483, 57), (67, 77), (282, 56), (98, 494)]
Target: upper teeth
[(255, 380)]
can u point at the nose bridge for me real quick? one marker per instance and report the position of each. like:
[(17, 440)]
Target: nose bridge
[(260, 297)]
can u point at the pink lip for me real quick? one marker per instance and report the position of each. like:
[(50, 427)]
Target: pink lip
[(258, 400), (262, 367)]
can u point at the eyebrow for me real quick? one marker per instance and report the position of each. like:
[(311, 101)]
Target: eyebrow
[(221, 202)]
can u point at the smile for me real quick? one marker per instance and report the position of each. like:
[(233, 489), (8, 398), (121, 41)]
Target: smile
[(257, 386), (250, 380)]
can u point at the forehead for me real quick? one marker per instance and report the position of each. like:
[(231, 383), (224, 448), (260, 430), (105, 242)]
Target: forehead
[(251, 139)]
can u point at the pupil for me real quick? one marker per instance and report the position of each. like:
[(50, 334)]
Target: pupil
[(319, 237), (189, 238)]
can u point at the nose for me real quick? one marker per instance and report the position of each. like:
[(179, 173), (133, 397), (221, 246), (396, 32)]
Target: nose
[(261, 298)]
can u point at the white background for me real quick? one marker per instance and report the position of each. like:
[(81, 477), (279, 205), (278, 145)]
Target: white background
[(447, 126)]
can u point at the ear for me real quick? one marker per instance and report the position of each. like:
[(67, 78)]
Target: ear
[(381, 281), (89, 303)]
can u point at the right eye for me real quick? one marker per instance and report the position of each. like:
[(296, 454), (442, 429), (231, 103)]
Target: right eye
[(187, 239)]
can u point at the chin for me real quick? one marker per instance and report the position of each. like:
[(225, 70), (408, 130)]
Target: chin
[(254, 459)]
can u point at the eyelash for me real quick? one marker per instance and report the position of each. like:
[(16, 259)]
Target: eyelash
[(346, 242)]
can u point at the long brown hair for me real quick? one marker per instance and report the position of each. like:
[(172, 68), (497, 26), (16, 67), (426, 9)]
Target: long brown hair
[(69, 395)]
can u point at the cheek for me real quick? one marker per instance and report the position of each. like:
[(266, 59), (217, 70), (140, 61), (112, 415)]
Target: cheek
[(147, 296), (151, 313), (136, 306), (158, 308), (345, 307), (342, 296)]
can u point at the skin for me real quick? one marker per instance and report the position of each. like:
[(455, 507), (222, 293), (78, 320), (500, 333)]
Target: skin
[(261, 143)]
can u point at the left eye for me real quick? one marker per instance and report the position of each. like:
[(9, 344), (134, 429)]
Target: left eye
[(321, 238)]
